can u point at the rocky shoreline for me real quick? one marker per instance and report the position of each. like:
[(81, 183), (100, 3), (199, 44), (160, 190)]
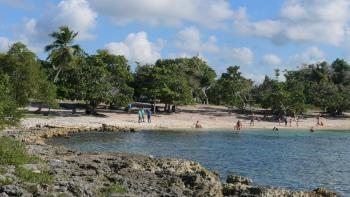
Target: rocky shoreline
[(118, 174)]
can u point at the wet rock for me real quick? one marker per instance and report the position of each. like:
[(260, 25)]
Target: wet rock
[(238, 179), (324, 192), (3, 194), (12, 190)]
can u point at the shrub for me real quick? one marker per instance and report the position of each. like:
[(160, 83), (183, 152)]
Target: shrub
[(13, 152), (33, 177), (115, 188)]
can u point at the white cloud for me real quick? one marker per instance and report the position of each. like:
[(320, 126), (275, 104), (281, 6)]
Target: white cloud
[(189, 41), (209, 13), (258, 78), (271, 60), (319, 21), (242, 55), (311, 55), (4, 44), (137, 48), (76, 14)]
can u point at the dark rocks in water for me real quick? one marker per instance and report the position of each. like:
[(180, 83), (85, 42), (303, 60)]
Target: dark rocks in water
[(324, 192), (240, 186), (238, 179)]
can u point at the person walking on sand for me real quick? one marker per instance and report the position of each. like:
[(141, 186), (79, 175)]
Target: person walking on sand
[(140, 115), (239, 125), (285, 121), (149, 114), (129, 108), (143, 114), (318, 119), (252, 119), (290, 121), (297, 121)]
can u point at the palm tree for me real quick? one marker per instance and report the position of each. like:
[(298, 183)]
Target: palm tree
[(62, 51)]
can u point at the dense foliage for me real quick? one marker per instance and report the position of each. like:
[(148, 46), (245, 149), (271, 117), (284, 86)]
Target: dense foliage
[(232, 89), (71, 74)]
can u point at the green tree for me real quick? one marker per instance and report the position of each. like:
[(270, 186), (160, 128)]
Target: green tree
[(233, 89), (164, 83), (93, 84), (8, 107), (62, 52), (340, 72), (27, 76), (120, 77), (199, 75)]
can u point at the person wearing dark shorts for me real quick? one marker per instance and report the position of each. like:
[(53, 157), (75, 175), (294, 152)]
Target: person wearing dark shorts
[(149, 114)]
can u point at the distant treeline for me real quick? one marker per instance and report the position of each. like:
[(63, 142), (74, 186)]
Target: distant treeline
[(70, 73)]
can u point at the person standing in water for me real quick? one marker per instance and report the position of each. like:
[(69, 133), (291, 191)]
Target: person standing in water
[(149, 114), (198, 125)]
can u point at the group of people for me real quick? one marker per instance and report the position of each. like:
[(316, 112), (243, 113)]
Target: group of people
[(141, 114), (288, 119)]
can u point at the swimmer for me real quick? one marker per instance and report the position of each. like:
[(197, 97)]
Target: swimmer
[(198, 125), (312, 129)]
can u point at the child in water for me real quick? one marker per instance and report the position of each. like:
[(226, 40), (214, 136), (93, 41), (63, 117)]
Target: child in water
[(198, 125)]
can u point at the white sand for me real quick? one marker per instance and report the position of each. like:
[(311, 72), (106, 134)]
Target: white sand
[(210, 117)]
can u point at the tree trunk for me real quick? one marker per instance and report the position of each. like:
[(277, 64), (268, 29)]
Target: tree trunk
[(56, 76), (87, 108), (39, 108), (206, 96), (169, 108)]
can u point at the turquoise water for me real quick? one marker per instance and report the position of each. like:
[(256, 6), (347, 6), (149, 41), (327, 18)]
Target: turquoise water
[(297, 160)]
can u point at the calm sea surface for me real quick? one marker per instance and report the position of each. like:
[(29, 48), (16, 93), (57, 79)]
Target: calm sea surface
[(298, 160)]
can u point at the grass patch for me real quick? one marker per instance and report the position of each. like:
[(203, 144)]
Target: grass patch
[(6, 181), (112, 189), (13, 152), (63, 195), (33, 177), (2, 171)]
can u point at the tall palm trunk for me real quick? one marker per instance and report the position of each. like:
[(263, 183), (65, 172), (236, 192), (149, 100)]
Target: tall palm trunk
[(56, 76)]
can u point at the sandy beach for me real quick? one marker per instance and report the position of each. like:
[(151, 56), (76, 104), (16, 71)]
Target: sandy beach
[(210, 117)]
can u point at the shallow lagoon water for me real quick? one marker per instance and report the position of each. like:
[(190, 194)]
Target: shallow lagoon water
[(297, 160)]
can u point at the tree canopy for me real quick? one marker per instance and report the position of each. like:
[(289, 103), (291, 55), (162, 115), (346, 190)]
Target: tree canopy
[(107, 78)]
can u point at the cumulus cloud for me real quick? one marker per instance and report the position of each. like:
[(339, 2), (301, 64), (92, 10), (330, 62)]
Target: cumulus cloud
[(241, 55), (271, 60), (137, 48), (311, 55), (319, 21), (209, 13), (76, 14), (4, 43), (190, 41)]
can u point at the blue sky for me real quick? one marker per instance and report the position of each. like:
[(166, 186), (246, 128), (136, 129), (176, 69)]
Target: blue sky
[(256, 35)]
